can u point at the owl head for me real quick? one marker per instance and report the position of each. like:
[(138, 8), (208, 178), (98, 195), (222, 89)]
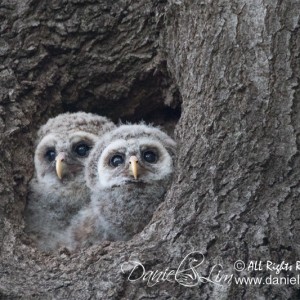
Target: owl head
[(130, 155), (64, 144)]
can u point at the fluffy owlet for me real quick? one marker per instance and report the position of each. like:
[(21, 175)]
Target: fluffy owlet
[(58, 189), (128, 172)]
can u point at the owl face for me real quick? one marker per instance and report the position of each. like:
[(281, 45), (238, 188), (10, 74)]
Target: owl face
[(61, 157), (131, 155), (64, 144), (133, 161)]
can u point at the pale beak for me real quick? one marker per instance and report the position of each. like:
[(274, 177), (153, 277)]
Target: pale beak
[(60, 164), (133, 161)]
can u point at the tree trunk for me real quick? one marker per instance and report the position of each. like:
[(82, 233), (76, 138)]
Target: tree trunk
[(234, 199)]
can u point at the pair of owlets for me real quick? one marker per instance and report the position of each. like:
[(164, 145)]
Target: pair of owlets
[(95, 181)]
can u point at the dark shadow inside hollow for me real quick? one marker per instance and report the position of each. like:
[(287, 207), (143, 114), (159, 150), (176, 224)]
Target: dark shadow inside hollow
[(151, 97)]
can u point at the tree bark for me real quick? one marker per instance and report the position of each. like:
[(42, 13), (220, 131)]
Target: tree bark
[(235, 67)]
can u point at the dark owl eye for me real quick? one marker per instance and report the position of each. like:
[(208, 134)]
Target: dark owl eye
[(50, 155), (82, 149), (116, 160), (150, 157)]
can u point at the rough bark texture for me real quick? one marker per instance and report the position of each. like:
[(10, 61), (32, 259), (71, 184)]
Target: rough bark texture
[(235, 196)]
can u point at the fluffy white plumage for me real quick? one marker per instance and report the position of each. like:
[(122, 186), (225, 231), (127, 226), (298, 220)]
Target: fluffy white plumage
[(128, 172), (63, 145)]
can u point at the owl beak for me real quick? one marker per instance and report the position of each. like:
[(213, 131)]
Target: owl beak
[(133, 166), (60, 164)]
